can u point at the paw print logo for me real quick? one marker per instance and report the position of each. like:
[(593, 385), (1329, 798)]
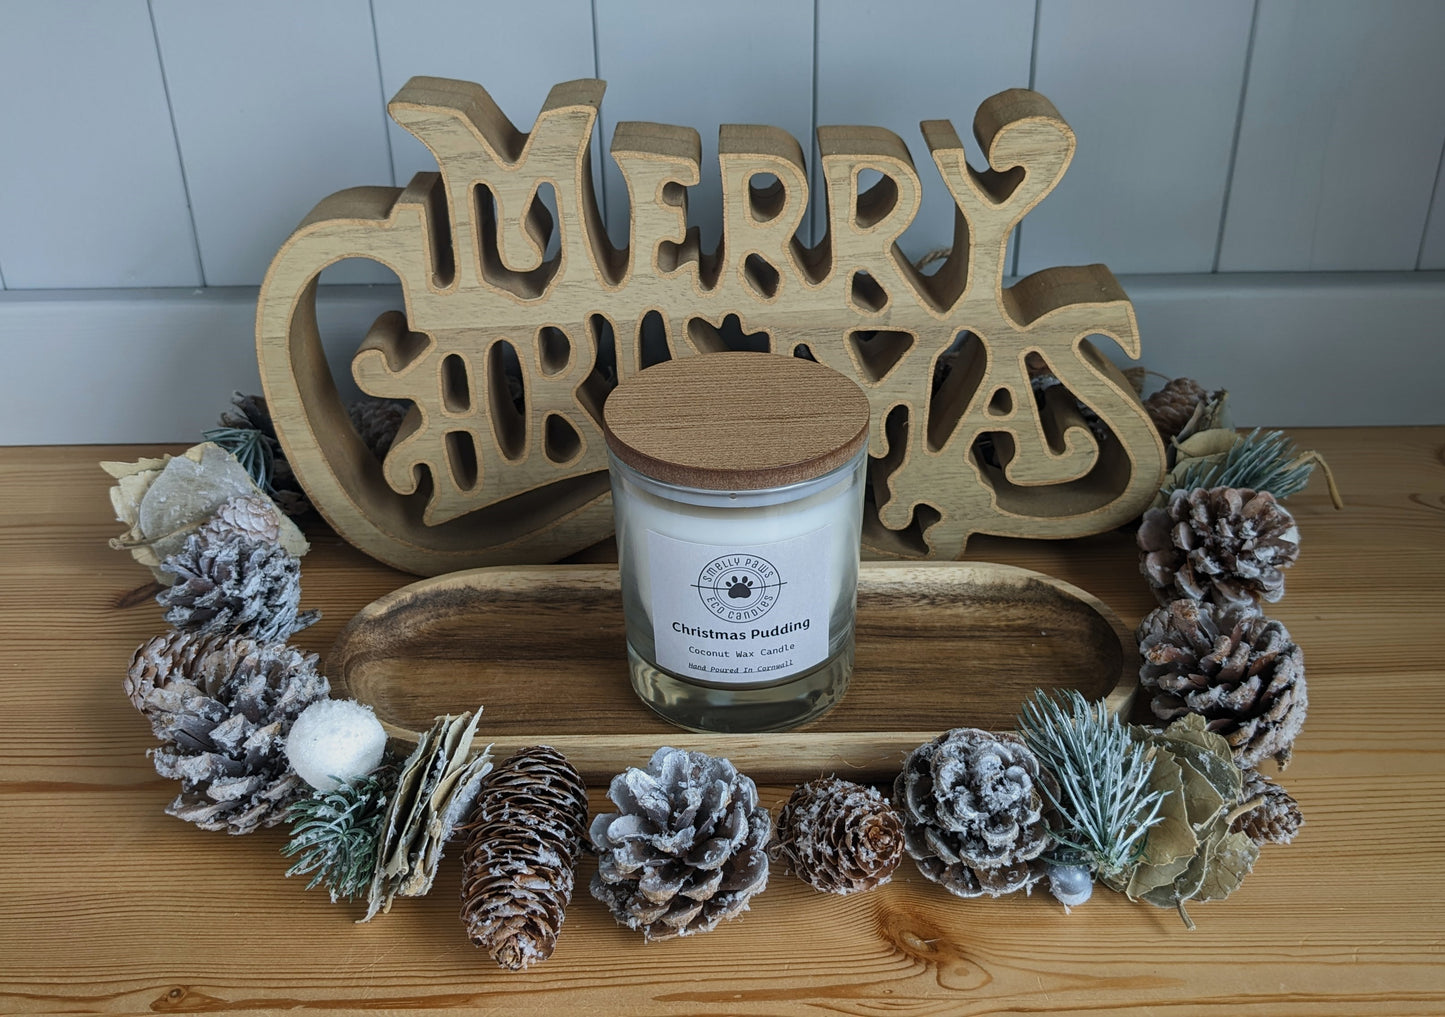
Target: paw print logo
[(740, 587)]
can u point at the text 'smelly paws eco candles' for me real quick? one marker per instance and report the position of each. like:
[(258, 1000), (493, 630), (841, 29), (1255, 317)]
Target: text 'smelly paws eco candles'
[(737, 482)]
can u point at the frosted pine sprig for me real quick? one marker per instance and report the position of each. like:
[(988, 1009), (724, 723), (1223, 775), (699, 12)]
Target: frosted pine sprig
[(1259, 461), (1104, 795), (251, 448), (336, 833)]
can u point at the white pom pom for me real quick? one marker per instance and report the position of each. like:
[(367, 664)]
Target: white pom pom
[(333, 741)]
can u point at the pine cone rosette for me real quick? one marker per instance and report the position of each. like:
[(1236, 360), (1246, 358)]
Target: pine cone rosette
[(687, 848), (1223, 544), (235, 586), (250, 516), (975, 815), (839, 837), (223, 708), (520, 862), (1231, 665)]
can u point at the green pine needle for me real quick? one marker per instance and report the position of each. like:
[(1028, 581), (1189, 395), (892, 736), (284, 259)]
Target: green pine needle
[(1103, 774), (1266, 461), (336, 834), (251, 448)]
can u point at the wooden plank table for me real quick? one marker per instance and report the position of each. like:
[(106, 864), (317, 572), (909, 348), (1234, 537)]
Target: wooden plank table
[(109, 906)]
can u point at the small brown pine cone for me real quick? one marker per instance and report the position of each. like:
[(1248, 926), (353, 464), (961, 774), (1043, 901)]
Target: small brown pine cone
[(250, 516), (520, 863), (1231, 665), (223, 708), (687, 847), (377, 421), (1173, 405), (839, 837), (249, 413), (1223, 544), (1277, 817), (974, 811)]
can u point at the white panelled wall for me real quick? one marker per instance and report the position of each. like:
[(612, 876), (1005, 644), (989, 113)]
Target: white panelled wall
[(1265, 175)]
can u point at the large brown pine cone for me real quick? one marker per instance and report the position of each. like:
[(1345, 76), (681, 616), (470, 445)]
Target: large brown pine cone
[(232, 585), (1277, 817), (1223, 544), (839, 837), (1231, 665), (520, 862), (223, 707), (974, 811), (687, 847)]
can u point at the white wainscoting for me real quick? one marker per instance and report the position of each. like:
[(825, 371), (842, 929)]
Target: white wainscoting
[(110, 366), (169, 143)]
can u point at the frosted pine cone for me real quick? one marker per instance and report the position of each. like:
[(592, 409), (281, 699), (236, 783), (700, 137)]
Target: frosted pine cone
[(520, 862), (223, 707), (974, 811), (839, 837), (1223, 544), (250, 516), (687, 848), (1275, 820), (1231, 665), (235, 586)]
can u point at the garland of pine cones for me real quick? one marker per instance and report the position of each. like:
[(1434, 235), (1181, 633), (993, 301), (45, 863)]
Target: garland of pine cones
[(1165, 815)]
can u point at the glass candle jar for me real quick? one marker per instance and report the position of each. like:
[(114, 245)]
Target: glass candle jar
[(737, 486)]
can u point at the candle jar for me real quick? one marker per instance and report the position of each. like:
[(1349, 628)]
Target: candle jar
[(737, 486)]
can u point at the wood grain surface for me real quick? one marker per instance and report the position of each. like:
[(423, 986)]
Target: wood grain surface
[(109, 906), (736, 421), (507, 352), (939, 645)]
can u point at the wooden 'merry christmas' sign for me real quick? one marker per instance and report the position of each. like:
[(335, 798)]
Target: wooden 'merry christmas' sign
[(508, 353)]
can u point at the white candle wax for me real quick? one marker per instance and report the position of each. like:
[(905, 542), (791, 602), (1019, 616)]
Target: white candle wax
[(780, 598)]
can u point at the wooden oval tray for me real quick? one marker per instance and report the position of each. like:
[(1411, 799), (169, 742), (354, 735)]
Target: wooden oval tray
[(939, 645)]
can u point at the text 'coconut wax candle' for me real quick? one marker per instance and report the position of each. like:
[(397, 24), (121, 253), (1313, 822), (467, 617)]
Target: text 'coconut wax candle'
[(737, 483)]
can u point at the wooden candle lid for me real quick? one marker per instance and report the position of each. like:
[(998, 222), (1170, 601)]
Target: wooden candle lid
[(736, 421)]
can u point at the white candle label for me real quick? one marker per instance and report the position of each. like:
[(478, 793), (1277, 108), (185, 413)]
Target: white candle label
[(746, 615)]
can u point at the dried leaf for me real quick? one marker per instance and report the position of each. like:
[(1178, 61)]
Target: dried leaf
[(1212, 781), (1224, 859), (1215, 441), (161, 501), (1137, 377), (1183, 887), (1209, 786), (438, 784), (1231, 858)]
